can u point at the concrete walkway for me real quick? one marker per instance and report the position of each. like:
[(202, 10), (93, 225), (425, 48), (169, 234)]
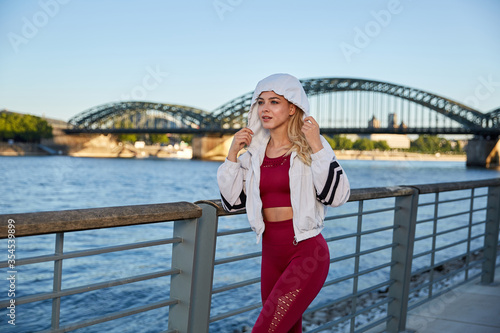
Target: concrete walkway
[(471, 308)]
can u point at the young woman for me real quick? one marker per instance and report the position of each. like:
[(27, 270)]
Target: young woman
[(285, 180)]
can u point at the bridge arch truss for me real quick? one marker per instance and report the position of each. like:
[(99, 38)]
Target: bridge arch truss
[(350, 102), (341, 103), (136, 114)]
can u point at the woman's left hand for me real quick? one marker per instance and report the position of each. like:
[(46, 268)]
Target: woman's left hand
[(311, 132)]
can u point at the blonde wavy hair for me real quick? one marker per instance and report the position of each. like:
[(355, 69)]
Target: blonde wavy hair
[(298, 139)]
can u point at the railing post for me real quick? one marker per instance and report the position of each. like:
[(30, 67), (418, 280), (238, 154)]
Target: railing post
[(491, 235), (204, 268), (405, 218), (181, 285), (57, 282)]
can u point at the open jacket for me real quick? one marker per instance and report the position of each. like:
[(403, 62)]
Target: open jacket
[(312, 188)]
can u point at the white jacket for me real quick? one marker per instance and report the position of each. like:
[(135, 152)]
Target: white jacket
[(312, 188)]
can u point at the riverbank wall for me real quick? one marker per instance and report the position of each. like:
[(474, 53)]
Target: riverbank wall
[(397, 156), (106, 147), (93, 146)]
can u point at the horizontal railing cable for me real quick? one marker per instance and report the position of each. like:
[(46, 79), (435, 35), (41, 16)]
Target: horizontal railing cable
[(448, 231), (445, 276), (233, 232), (452, 215), (423, 204), (237, 258), (362, 233), (350, 296), (113, 316), (374, 211), (444, 247), (236, 312), (426, 269), (354, 255), (91, 252), (441, 292), (360, 273), (90, 287), (235, 285)]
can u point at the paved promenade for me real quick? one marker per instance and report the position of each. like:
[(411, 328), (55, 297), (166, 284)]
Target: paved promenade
[(471, 308)]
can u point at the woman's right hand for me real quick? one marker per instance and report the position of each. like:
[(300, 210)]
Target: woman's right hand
[(241, 139)]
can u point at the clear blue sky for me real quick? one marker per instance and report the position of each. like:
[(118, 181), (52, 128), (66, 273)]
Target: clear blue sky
[(61, 57)]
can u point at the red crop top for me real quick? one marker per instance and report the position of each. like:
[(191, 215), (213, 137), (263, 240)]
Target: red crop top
[(275, 182)]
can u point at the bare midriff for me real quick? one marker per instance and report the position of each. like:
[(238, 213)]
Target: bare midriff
[(276, 214)]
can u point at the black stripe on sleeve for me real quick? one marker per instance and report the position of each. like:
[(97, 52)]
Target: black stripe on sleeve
[(329, 180), (243, 200), (337, 181)]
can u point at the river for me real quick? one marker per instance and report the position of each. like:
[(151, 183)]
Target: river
[(48, 183)]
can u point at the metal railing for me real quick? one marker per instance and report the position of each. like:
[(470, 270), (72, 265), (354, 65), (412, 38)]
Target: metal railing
[(392, 249)]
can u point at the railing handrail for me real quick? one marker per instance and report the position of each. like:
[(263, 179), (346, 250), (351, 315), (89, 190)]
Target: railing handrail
[(30, 224), (455, 186), (39, 223)]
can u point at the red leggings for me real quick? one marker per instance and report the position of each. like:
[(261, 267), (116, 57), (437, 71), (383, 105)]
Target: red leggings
[(291, 277)]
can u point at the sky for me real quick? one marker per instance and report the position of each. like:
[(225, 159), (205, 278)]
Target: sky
[(61, 57)]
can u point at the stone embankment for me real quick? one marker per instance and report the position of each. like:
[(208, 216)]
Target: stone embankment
[(107, 146), (21, 149), (396, 156), (94, 149), (101, 146), (386, 156)]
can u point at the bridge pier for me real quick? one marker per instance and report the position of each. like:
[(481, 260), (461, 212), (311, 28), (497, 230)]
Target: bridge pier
[(211, 147), (483, 152)]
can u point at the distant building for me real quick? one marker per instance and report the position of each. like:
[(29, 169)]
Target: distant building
[(392, 120), (374, 123), (396, 141)]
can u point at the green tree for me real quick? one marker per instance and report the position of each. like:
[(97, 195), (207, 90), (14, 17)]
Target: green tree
[(339, 142), (25, 128), (159, 138), (187, 138), (433, 144), (381, 145), (127, 137), (125, 123), (363, 144)]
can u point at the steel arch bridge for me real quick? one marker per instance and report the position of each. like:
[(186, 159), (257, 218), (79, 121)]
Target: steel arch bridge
[(341, 105), (122, 115)]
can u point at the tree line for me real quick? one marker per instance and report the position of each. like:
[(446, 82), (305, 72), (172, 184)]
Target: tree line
[(429, 144), (23, 127)]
